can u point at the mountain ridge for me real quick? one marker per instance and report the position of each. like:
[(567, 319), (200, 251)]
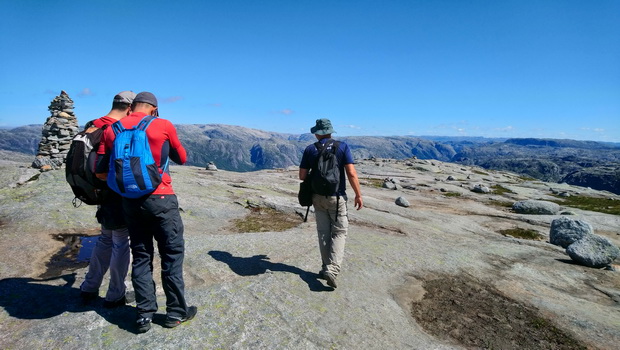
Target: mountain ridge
[(237, 148)]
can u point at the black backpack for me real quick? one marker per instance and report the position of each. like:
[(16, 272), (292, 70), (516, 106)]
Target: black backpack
[(80, 167), (326, 173)]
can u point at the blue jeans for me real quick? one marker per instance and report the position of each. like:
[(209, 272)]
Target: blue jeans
[(111, 252)]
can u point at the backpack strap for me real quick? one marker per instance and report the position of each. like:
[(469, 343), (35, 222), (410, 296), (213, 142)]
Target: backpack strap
[(322, 147), (142, 125), (145, 122), (118, 127), (90, 124)]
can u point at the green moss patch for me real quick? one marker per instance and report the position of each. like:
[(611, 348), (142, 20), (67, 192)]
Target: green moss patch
[(452, 194), (601, 205), (262, 219), (522, 233), (378, 183), (499, 189)]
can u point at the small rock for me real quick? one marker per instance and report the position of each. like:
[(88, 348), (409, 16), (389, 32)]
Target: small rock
[(481, 189), (450, 178), (390, 185), (402, 202)]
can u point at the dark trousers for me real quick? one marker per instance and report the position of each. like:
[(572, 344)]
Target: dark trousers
[(158, 217)]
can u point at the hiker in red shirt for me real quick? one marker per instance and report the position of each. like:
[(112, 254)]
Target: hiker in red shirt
[(155, 216), (112, 249)]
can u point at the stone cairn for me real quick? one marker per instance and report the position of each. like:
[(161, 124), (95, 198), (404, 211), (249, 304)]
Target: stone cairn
[(58, 131)]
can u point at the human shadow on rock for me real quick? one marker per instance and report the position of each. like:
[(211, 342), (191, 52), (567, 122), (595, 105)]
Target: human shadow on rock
[(259, 264), (35, 299)]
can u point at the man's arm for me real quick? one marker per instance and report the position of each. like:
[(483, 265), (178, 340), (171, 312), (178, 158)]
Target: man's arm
[(177, 151), (355, 185), (303, 173)]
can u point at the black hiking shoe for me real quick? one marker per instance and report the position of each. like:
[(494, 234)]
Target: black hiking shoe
[(322, 275), (172, 321), (143, 324), (113, 304)]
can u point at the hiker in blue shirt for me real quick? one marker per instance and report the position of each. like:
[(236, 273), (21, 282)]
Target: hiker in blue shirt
[(330, 210)]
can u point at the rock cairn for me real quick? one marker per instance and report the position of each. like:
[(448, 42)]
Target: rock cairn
[(58, 131)]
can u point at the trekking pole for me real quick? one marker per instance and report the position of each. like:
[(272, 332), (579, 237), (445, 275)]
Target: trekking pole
[(306, 217)]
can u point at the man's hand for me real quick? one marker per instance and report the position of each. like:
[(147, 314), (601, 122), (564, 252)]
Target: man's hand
[(359, 203)]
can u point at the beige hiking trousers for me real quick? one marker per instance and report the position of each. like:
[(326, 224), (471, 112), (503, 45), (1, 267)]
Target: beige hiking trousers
[(331, 229)]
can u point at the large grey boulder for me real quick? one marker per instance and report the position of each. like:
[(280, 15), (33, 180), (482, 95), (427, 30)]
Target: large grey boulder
[(565, 231), (531, 206), (593, 251)]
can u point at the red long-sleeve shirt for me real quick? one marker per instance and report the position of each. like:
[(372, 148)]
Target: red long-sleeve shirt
[(163, 141)]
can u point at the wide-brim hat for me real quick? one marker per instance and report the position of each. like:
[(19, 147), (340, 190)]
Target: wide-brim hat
[(322, 127)]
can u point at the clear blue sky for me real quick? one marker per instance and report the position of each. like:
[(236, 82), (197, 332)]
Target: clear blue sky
[(492, 68)]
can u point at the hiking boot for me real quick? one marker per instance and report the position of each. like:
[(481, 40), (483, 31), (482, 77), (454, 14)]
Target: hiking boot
[(113, 304), (87, 297), (143, 324), (172, 321), (331, 279), (322, 275)]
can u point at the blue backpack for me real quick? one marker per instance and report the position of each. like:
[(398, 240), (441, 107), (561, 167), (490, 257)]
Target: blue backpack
[(133, 172)]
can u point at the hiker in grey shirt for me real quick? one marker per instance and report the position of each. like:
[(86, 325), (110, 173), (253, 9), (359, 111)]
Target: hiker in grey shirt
[(330, 210)]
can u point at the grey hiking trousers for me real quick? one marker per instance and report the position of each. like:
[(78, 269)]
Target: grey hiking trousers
[(332, 224)]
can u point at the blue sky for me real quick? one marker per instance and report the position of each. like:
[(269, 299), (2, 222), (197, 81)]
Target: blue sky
[(493, 68)]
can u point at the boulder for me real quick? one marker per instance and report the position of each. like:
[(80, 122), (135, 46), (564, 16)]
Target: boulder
[(566, 231), (593, 251), (401, 201), (531, 206)]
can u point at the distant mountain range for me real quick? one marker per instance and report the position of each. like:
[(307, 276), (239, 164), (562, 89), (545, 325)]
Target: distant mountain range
[(584, 163)]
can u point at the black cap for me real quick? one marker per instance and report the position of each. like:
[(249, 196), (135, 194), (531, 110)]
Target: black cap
[(146, 97)]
